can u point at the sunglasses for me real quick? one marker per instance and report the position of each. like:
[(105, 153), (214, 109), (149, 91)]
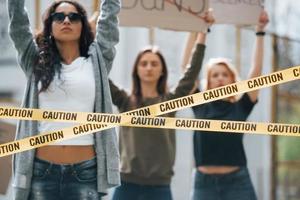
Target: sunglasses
[(60, 17)]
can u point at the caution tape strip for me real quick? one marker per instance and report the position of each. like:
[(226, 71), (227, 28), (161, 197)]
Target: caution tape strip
[(103, 121), (159, 108), (153, 122)]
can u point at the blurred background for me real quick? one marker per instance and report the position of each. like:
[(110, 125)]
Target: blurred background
[(274, 162)]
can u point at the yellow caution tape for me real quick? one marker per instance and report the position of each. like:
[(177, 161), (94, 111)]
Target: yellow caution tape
[(98, 121), (153, 122)]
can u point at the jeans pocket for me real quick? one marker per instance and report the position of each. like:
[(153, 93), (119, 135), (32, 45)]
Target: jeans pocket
[(86, 175), (240, 177), (201, 180), (40, 171)]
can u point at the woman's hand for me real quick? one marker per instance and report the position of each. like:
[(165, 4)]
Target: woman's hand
[(209, 17), (93, 21), (263, 20)]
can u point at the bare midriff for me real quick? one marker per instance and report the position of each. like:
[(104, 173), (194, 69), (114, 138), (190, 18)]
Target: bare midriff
[(66, 154), (218, 169)]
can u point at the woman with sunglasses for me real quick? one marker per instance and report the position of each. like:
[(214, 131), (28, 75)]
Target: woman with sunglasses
[(147, 154), (66, 68)]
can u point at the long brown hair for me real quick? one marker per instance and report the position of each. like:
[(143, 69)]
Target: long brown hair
[(49, 60), (136, 93)]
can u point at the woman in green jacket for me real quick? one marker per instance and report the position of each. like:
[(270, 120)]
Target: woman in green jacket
[(148, 155)]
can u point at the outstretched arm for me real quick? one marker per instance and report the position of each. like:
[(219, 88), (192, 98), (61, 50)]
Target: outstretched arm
[(188, 50), (258, 54), (21, 35), (93, 21), (107, 32), (199, 39), (187, 83), (119, 97)]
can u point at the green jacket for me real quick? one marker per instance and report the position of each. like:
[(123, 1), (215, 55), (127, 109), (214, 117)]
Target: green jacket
[(148, 154)]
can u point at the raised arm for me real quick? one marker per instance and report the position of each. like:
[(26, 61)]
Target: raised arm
[(187, 82), (107, 32), (119, 97), (21, 35), (258, 54), (188, 50)]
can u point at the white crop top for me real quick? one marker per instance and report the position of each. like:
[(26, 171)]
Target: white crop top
[(73, 91)]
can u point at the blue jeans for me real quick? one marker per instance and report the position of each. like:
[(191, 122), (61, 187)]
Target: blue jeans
[(233, 186), (64, 182), (131, 191)]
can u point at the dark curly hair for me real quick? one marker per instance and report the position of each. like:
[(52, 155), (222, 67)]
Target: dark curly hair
[(49, 59)]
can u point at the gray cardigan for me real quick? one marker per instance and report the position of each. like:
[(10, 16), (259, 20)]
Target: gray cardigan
[(102, 52)]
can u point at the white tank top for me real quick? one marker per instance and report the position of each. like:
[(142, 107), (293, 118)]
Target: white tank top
[(73, 91)]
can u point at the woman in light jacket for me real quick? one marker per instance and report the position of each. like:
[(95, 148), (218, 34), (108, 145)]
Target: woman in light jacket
[(66, 69)]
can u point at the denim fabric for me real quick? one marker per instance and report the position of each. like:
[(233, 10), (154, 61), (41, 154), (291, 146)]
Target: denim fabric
[(64, 182), (233, 186), (131, 191)]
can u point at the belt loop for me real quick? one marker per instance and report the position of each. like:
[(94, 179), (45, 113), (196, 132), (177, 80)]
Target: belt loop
[(49, 168)]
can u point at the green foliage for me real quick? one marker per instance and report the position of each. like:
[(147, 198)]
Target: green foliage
[(289, 147)]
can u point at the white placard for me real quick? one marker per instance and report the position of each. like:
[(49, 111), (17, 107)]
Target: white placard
[(181, 15), (242, 12)]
